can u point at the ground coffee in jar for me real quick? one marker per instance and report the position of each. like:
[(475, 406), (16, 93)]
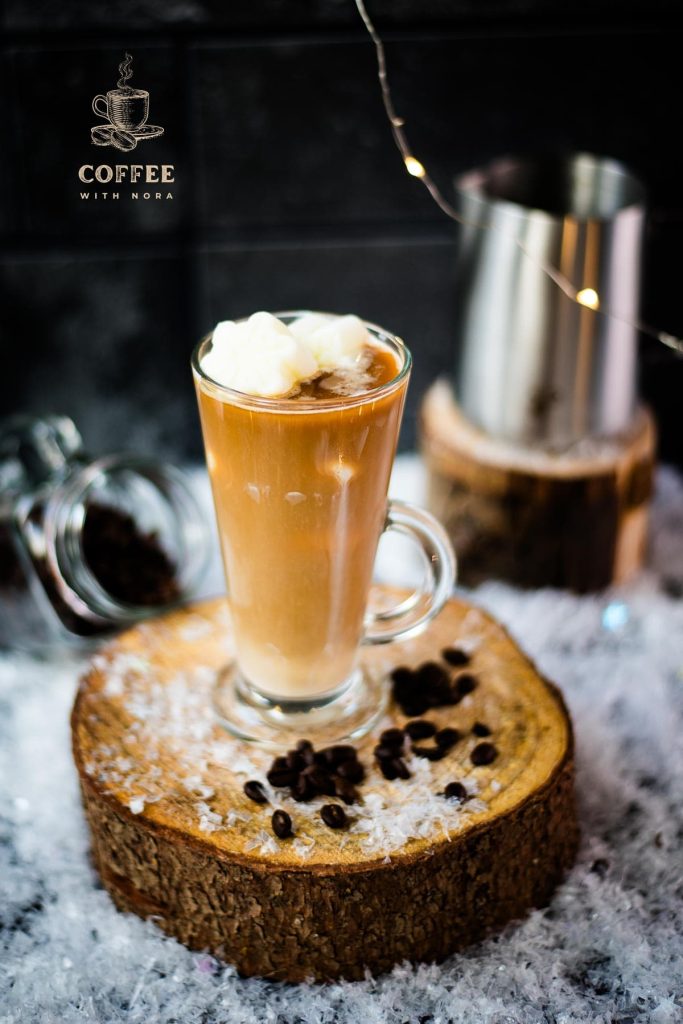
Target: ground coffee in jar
[(88, 545)]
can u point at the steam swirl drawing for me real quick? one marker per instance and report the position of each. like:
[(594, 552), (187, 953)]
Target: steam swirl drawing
[(125, 110)]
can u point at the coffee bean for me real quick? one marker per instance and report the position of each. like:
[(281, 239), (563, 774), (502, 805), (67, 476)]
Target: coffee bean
[(306, 751), (388, 769), (282, 777), (321, 780), (303, 790), (449, 699), (282, 824), (279, 763), (401, 768), (465, 684), (455, 656), (333, 815), (346, 791), (255, 791), (479, 729), (392, 738), (440, 693), (420, 729), (414, 707), (431, 674), (447, 738), (404, 686), (295, 761), (338, 754), (351, 770), (430, 753), (383, 753), (455, 791), (402, 675), (483, 753), (344, 753)]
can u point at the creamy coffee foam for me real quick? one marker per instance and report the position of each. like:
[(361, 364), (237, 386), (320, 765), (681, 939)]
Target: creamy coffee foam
[(264, 357)]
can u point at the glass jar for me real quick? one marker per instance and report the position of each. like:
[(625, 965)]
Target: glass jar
[(88, 546)]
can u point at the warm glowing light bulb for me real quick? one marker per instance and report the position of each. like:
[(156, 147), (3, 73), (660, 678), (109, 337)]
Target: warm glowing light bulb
[(588, 297), (414, 167)]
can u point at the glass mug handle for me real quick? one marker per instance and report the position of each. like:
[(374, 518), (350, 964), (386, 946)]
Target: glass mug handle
[(96, 109), (414, 614)]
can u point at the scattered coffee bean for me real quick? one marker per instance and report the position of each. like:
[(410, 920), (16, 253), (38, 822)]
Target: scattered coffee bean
[(392, 738), (447, 738), (441, 693), (401, 768), (402, 675), (282, 777), (383, 753), (282, 824), (308, 756), (455, 791), (388, 769), (414, 707), (420, 729), (333, 815), (351, 770), (455, 656), (307, 773), (465, 684), (444, 698), (255, 791), (346, 791), (303, 790), (295, 761), (483, 753), (429, 685), (338, 754), (430, 753), (321, 780), (479, 729), (432, 674)]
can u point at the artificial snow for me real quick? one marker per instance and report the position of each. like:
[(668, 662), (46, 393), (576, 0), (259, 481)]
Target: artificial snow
[(608, 949)]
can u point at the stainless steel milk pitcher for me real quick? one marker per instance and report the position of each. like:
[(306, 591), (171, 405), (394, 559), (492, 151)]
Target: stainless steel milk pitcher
[(532, 365)]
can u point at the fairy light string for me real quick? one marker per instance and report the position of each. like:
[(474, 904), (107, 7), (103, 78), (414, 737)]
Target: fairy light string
[(587, 297)]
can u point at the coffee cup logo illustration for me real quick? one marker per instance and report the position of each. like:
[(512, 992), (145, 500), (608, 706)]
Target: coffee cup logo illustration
[(126, 111)]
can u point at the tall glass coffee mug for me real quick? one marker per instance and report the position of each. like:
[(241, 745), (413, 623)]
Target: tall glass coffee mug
[(300, 492)]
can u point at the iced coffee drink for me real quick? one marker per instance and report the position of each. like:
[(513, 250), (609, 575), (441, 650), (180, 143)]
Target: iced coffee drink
[(300, 417)]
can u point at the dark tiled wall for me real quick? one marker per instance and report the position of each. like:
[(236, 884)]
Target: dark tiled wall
[(288, 190)]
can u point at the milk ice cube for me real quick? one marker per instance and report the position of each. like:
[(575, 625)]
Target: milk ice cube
[(259, 356), (335, 342)]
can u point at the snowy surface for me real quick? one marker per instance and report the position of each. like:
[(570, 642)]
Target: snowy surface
[(609, 948)]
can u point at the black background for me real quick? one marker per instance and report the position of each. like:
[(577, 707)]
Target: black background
[(288, 191)]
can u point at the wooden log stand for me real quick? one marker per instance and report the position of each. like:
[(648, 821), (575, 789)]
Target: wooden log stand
[(414, 876), (576, 519)]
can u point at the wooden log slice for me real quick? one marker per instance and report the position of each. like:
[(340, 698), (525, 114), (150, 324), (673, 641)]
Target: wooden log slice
[(413, 876), (575, 519)]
